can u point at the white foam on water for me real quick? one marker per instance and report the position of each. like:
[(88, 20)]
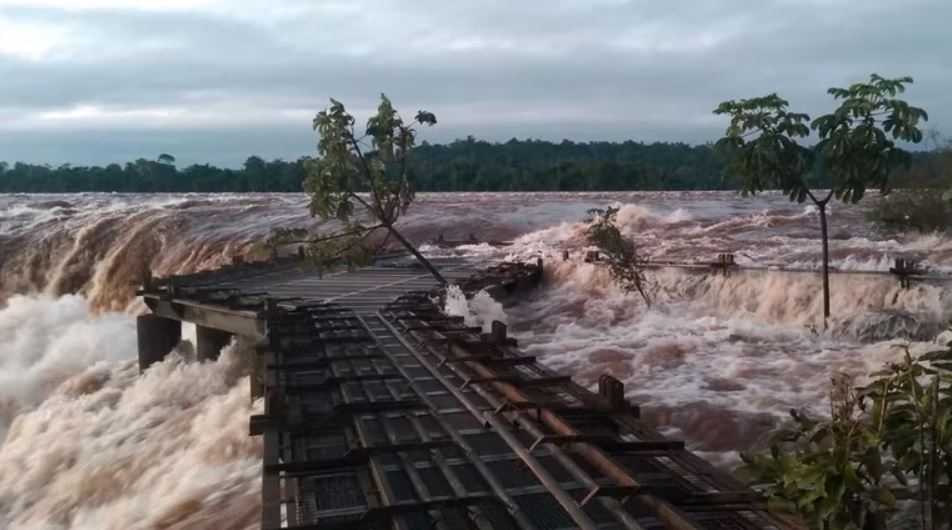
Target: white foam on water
[(91, 444), (480, 310), (47, 340), (715, 360), (723, 359)]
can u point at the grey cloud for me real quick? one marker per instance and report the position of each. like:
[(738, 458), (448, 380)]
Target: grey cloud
[(251, 76)]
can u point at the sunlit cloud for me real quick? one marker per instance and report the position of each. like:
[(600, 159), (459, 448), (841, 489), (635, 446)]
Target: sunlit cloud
[(30, 41)]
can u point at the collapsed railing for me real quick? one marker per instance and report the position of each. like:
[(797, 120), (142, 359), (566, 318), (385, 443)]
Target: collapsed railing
[(906, 270), (595, 437)]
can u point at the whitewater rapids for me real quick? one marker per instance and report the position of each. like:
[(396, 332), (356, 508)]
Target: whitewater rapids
[(716, 360)]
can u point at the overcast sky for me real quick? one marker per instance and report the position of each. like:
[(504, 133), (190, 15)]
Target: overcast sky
[(96, 81)]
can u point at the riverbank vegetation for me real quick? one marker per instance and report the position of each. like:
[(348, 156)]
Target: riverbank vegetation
[(462, 165), (925, 202), (883, 458)]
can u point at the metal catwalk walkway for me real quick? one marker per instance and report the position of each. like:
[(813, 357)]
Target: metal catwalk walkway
[(382, 412)]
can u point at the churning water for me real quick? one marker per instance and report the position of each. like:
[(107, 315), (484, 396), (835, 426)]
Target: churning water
[(715, 360)]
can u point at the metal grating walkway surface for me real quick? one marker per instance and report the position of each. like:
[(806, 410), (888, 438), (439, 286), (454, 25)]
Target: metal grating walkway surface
[(383, 412)]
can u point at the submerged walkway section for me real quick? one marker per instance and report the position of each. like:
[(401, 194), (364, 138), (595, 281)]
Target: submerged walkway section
[(383, 412)]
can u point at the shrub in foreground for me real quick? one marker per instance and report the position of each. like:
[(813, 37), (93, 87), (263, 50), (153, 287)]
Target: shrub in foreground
[(886, 445)]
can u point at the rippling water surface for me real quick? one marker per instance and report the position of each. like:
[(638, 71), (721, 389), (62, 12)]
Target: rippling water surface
[(715, 360)]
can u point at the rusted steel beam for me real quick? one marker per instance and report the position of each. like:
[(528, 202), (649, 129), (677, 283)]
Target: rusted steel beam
[(545, 477), (668, 514), (497, 488), (480, 521)]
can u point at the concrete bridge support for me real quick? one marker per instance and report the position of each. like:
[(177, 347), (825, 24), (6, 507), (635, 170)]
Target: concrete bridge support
[(210, 342), (157, 336)]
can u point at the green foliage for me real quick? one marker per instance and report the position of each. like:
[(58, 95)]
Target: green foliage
[(321, 250), (359, 177), (827, 471), (619, 252), (285, 236), (347, 249), (855, 147), (535, 165), (913, 412), (762, 145), (375, 162), (925, 202), (856, 142), (152, 176), (888, 441), (462, 165), (773, 158)]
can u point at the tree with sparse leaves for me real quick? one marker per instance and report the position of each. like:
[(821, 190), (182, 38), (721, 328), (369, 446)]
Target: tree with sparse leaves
[(856, 147), (619, 252), (356, 179)]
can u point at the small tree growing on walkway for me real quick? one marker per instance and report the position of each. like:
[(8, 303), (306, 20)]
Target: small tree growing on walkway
[(625, 265), (356, 179), (856, 148)]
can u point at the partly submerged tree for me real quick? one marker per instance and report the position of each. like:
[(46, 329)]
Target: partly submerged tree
[(856, 148), (619, 252), (362, 181)]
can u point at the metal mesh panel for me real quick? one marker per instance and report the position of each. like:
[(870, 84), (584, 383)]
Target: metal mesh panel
[(557, 470), (335, 492), (401, 486), (544, 511), (513, 474), (435, 483), (470, 477), (487, 443)]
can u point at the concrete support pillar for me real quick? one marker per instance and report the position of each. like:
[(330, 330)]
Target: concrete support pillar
[(157, 336), (209, 342)]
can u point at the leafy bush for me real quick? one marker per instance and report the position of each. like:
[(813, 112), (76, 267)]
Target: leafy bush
[(888, 441)]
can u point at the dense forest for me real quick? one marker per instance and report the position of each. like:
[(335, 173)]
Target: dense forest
[(462, 165)]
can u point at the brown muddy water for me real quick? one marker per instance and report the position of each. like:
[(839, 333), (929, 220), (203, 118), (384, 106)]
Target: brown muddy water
[(717, 361)]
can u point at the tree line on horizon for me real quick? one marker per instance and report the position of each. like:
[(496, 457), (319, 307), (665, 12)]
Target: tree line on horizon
[(462, 165)]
